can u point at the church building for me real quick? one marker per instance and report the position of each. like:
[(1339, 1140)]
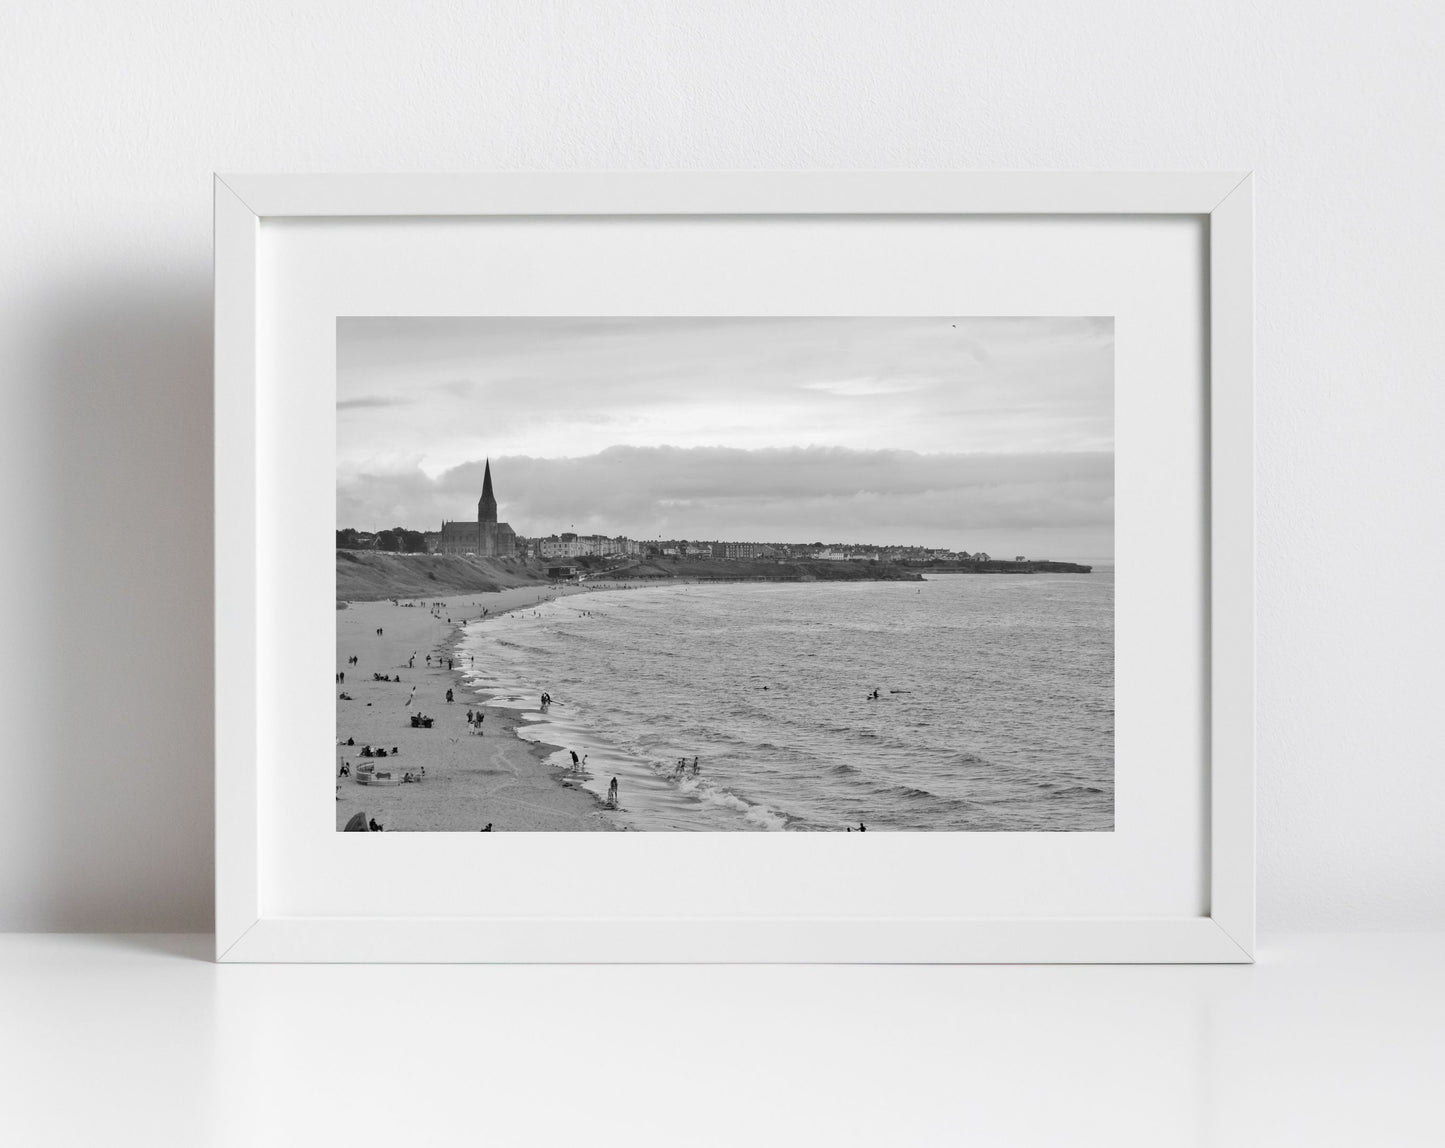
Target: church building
[(484, 538)]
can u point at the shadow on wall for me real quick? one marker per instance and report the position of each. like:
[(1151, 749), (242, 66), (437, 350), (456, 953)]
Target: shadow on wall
[(125, 686)]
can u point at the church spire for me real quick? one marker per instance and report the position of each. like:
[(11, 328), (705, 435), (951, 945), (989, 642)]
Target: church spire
[(487, 507)]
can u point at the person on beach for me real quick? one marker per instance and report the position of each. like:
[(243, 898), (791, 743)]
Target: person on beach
[(575, 763), (612, 794), (694, 767), (469, 717), (411, 661), (449, 697)]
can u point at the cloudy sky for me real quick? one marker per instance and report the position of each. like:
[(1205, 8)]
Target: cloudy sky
[(993, 434)]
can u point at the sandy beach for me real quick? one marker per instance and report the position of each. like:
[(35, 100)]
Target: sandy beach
[(470, 780)]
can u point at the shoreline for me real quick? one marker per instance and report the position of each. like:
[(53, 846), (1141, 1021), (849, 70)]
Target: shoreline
[(510, 717), (652, 798), (641, 787)]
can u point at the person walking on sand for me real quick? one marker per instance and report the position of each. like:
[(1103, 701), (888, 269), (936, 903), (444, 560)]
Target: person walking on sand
[(411, 661), (573, 752), (612, 797), (449, 697)]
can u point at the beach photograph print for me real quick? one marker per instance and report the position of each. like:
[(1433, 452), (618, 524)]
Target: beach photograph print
[(718, 574)]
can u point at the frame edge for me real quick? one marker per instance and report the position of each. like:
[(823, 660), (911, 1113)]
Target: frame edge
[(1225, 935), (237, 879), (1231, 539)]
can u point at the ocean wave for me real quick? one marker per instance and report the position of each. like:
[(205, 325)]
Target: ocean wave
[(1071, 790), (708, 794)]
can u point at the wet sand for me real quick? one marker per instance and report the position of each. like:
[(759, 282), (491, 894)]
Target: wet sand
[(470, 780)]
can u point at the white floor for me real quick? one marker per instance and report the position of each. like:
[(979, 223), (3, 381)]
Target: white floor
[(108, 1040)]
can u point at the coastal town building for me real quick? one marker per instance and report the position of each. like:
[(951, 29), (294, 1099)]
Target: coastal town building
[(484, 538), (569, 545)]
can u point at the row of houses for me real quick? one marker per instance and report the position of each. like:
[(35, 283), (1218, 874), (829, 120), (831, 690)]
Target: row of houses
[(571, 545), (813, 550)]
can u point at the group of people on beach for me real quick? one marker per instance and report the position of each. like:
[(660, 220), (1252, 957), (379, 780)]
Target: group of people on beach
[(579, 765), (681, 768), (474, 717)]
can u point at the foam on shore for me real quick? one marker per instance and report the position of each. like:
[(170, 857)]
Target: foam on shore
[(652, 795)]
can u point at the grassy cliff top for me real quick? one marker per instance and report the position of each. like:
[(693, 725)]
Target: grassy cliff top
[(369, 575)]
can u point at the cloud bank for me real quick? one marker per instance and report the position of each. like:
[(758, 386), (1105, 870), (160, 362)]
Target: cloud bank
[(1025, 503), (980, 433)]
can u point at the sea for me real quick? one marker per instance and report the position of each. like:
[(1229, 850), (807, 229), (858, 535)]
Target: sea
[(994, 709)]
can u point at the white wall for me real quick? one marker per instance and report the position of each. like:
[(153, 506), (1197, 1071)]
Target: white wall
[(112, 117)]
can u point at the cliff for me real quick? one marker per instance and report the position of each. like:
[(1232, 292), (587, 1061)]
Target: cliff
[(368, 575)]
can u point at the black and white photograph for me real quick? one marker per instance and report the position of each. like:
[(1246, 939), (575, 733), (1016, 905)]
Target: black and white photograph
[(775, 574)]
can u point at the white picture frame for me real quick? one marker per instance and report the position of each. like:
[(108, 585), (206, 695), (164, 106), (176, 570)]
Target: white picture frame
[(247, 929)]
